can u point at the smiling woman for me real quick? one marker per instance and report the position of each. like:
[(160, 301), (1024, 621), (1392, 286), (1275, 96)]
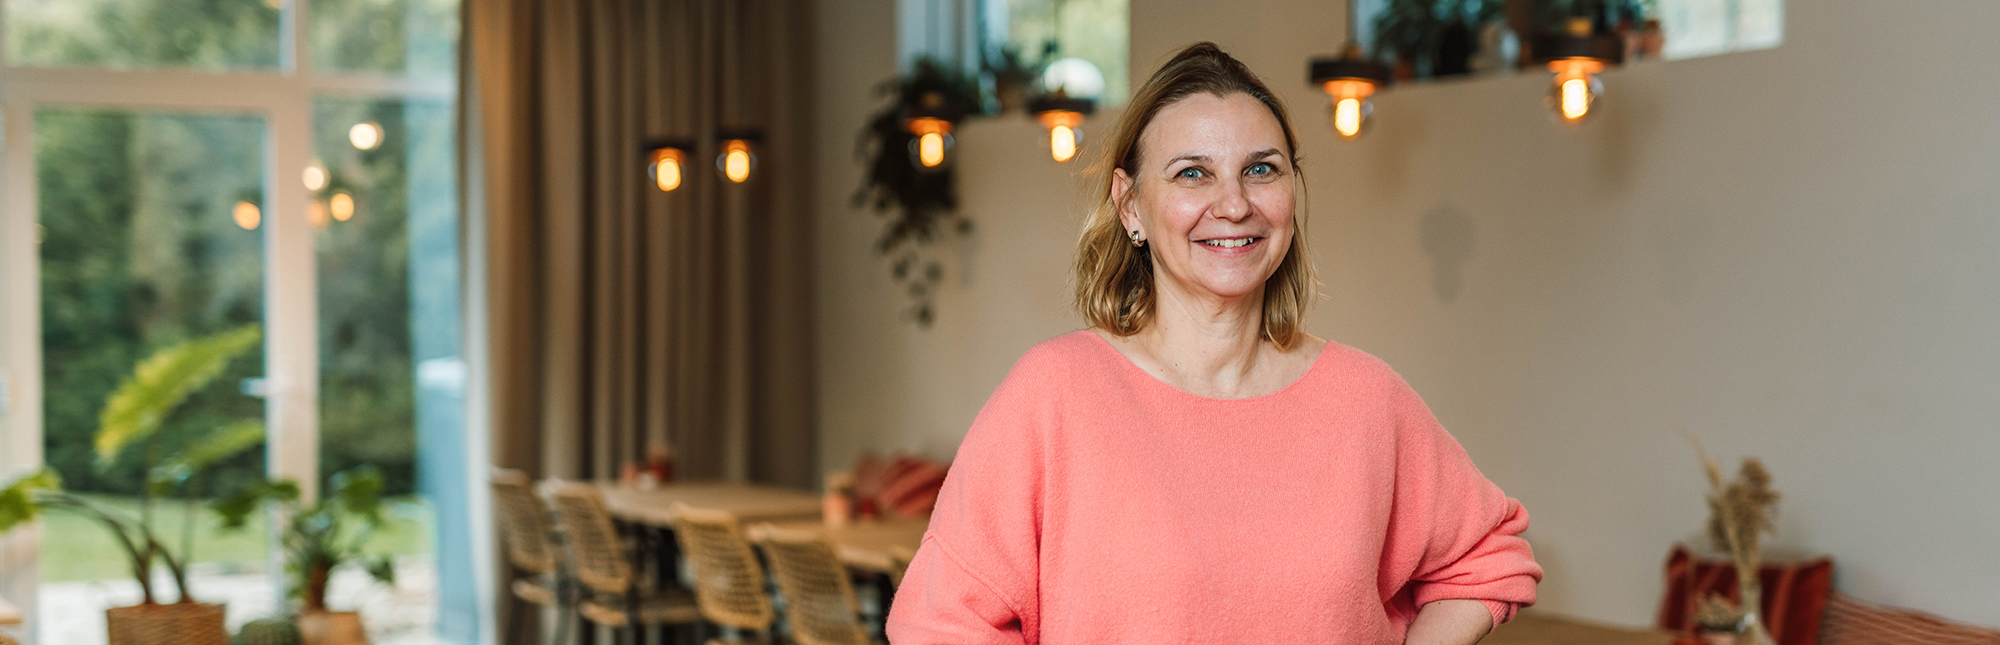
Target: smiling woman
[(1196, 467)]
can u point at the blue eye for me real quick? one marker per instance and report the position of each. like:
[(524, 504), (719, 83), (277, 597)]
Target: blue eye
[(1188, 173), (1262, 168)]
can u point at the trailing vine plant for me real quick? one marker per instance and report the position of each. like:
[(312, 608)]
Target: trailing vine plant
[(920, 204)]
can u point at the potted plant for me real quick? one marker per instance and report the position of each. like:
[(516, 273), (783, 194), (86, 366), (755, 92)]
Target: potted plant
[(318, 538), (133, 417), (1013, 74)]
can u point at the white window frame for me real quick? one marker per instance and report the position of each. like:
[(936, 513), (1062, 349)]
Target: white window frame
[(284, 98)]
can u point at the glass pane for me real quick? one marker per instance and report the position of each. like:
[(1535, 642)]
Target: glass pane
[(390, 374), (1044, 31), (150, 242), (199, 34), (415, 37)]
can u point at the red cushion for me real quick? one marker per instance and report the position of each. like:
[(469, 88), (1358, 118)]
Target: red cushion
[(1795, 593), (1852, 622), (912, 487)]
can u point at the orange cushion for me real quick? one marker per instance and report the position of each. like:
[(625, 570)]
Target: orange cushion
[(1852, 622), (1795, 594)]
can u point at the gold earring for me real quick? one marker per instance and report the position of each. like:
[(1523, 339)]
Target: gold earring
[(1136, 242)]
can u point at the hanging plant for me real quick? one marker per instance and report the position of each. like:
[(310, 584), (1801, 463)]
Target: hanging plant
[(920, 203)]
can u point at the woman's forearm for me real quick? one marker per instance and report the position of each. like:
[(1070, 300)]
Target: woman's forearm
[(1450, 622)]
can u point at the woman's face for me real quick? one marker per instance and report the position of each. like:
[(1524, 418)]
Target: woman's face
[(1211, 194)]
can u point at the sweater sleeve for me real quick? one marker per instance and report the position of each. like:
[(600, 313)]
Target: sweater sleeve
[(1452, 531), (975, 580)]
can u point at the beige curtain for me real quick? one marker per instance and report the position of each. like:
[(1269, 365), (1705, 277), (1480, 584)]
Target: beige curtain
[(617, 316)]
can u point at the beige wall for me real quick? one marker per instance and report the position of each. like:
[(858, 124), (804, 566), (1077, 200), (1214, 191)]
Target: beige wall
[(1790, 253)]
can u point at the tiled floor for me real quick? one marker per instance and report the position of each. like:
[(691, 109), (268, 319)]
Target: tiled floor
[(72, 613)]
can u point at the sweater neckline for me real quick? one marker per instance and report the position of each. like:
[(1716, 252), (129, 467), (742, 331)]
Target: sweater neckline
[(1126, 364)]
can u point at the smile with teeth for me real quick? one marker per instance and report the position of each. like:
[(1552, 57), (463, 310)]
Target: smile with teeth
[(1229, 242)]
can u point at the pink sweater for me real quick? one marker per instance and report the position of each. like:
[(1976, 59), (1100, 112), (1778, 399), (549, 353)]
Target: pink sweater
[(1093, 503)]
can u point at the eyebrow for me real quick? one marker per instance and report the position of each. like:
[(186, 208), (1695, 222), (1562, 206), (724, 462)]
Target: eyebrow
[(1260, 154)]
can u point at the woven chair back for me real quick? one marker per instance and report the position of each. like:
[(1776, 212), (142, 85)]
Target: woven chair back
[(524, 523), (595, 552), (729, 583), (819, 596)]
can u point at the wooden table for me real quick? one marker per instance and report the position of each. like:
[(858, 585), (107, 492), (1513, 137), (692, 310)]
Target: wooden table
[(750, 502), (868, 546), (1536, 628)]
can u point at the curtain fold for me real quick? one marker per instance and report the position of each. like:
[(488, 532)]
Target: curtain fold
[(620, 317)]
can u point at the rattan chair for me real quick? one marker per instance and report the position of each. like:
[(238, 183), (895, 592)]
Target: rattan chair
[(819, 596), (729, 582), (899, 563), (612, 596), (524, 526)]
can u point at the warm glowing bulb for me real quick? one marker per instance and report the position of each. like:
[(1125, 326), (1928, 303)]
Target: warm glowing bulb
[(247, 215), (342, 206), (667, 174), (736, 162), (365, 136), (1575, 99), (1062, 143), (666, 168), (1347, 117), (930, 149), (315, 177)]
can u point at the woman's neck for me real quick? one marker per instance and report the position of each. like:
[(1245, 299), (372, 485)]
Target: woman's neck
[(1214, 347)]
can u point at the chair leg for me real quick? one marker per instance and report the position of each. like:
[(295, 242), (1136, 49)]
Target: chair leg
[(513, 620), (562, 624)]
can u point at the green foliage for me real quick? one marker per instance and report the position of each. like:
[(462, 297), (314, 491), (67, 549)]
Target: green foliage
[(320, 536), (164, 380), (921, 205), (18, 501), (268, 631)]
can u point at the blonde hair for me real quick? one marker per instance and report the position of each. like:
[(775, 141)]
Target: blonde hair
[(1114, 279)]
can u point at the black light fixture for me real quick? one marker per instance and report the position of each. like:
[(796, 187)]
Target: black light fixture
[(1063, 116), (739, 152), (1349, 80), (929, 121), (666, 161), (1576, 55)]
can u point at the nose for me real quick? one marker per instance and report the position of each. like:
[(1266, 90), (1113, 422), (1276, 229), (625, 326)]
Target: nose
[(1234, 203)]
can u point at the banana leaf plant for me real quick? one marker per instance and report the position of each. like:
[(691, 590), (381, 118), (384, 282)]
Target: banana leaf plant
[(132, 421), (320, 536)]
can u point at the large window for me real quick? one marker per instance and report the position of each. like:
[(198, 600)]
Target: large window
[(177, 169)]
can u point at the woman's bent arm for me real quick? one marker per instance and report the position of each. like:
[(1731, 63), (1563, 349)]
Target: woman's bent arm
[(1450, 622)]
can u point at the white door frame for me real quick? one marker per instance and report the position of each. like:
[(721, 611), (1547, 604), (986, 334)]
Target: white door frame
[(284, 99)]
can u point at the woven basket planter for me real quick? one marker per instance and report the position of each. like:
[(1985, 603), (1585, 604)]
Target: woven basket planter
[(187, 623), (331, 628)]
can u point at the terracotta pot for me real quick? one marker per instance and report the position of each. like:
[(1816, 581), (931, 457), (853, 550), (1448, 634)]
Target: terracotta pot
[(331, 628), (187, 623)]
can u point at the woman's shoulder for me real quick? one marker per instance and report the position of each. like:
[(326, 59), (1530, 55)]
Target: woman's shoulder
[(1066, 354), (1351, 366)]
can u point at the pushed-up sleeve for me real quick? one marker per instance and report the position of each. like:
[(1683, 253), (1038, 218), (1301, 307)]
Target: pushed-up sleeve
[(975, 580), (1452, 532)]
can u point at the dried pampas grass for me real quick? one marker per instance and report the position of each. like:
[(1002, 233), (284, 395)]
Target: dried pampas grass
[(1740, 512)]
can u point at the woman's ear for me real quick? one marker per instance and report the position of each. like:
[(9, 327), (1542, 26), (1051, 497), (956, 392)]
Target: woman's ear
[(1121, 194)]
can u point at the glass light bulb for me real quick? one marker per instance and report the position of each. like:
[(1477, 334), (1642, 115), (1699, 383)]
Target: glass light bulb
[(1347, 115), (930, 149), (1574, 90), (667, 174), (1062, 143), (736, 165)]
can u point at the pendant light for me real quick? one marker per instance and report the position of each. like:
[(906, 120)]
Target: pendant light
[(666, 162), (1063, 116), (739, 153), (1576, 55), (929, 122), (1349, 80)]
